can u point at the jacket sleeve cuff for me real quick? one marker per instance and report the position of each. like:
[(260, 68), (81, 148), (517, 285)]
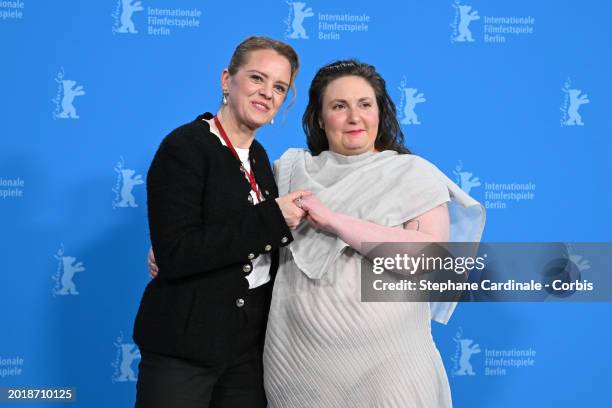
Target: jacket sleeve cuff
[(275, 233)]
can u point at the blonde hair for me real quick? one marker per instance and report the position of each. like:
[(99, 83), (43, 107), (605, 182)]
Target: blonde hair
[(255, 43)]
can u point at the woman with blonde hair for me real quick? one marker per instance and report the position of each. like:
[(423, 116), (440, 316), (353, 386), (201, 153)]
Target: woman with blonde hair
[(216, 226)]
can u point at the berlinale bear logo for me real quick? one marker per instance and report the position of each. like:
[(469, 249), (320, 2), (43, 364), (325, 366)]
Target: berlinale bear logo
[(461, 26), (411, 100), (66, 269), (465, 179), (123, 19), (126, 180), (299, 12), (64, 99), (127, 353), (574, 98)]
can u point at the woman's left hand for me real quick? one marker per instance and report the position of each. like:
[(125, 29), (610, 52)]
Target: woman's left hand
[(318, 214), (151, 265)]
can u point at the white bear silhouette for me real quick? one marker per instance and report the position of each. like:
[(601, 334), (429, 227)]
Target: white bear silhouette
[(128, 8), (575, 101), (68, 109), (127, 198), (70, 268), (466, 181), (467, 350), (299, 14), (466, 17), (410, 117), (128, 354)]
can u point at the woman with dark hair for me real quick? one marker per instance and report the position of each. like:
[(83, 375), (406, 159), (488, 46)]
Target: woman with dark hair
[(389, 136), (324, 347), (216, 226)]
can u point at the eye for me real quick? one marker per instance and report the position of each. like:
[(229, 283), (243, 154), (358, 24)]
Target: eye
[(280, 89), (256, 78), (338, 106), (366, 104)]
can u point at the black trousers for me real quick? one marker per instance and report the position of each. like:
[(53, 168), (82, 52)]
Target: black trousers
[(169, 382)]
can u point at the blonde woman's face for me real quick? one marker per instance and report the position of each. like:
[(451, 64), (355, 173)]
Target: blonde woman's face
[(258, 89)]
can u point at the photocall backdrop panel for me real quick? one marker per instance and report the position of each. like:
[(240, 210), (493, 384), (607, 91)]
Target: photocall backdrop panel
[(512, 100)]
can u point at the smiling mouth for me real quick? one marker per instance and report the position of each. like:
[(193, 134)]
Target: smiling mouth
[(354, 132), (260, 106)]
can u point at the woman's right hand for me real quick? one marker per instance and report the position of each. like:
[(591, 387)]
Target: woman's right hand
[(152, 266), (292, 213)]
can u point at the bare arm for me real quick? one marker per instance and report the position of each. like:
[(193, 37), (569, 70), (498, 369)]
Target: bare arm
[(431, 226)]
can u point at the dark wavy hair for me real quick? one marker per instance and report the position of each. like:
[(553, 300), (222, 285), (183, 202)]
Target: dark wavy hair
[(389, 137)]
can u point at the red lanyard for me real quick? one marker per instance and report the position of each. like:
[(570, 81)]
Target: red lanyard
[(250, 174)]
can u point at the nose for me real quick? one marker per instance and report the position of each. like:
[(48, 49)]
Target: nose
[(353, 116), (266, 90)]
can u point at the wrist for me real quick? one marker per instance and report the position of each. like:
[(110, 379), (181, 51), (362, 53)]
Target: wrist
[(335, 223)]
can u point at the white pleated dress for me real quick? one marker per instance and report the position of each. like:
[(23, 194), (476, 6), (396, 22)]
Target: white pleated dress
[(327, 349)]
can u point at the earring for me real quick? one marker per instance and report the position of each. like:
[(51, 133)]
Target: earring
[(224, 100), (272, 121)]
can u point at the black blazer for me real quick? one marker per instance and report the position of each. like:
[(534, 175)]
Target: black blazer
[(204, 231)]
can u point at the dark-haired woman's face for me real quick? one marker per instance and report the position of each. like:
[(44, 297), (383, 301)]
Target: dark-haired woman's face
[(349, 115)]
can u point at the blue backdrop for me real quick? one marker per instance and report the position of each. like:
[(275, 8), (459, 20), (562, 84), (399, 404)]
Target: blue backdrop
[(512, 99)]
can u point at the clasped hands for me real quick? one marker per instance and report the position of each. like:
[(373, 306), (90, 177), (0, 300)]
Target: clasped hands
[(298, 205)]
